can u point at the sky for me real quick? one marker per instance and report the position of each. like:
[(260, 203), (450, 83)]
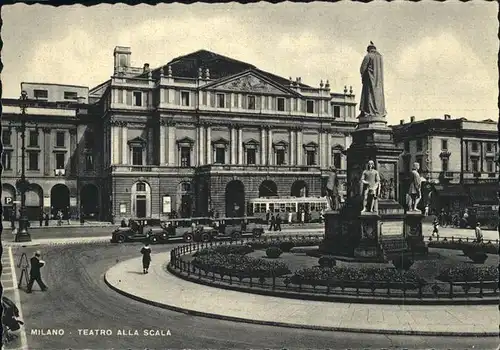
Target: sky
[(439, 57)]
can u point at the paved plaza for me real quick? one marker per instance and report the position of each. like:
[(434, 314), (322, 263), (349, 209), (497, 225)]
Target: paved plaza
[(163, 289)]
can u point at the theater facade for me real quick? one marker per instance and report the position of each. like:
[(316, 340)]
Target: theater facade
[(206, 132)]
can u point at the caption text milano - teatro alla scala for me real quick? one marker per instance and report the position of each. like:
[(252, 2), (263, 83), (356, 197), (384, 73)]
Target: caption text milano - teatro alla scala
[(103, 332)]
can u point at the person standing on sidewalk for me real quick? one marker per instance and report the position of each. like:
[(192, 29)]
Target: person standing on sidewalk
[(41, 218), (146, 257), (272, 223), (35, 273), (47, 218), (277, 225), (479, 233), (435, 224)]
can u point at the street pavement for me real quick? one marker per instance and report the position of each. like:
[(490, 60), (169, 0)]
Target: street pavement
[(79, 301)]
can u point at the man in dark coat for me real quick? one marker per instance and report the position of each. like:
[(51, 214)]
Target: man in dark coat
[(35, 273), (272, 223), (277, 225), (146, 257), (41, 218)]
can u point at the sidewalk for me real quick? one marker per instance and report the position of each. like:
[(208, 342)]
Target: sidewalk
[(57, 241), (53, 223), (162, 289)]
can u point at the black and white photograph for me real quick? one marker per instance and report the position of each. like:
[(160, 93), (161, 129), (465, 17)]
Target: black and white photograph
[(250, 176)]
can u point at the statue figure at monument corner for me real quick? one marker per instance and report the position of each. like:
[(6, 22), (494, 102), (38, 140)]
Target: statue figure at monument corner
[(332, 189), (370, 188), (372, 102), (414, 194)]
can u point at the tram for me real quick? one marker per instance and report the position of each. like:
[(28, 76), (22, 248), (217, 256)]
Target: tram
[(312, 206)]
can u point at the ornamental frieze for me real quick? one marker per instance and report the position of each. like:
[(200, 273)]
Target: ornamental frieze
[(249, 83)]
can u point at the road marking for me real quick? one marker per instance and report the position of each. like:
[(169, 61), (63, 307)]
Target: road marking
[(17, 300)]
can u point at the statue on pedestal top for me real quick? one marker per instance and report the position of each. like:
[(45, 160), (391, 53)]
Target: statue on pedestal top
[(415, 190), (370, 188), (332, 189), (372, 103)]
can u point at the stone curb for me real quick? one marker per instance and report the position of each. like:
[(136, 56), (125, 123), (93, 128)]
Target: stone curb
[(56, 241), (334, 297), (292, 325)]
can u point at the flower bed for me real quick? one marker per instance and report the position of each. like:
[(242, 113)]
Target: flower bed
[(369, 277), (469, 273), (241, 249), (286, 244), (489, 248), (239, 265)]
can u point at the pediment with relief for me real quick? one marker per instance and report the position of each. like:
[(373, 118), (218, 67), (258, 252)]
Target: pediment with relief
[(250, 83)]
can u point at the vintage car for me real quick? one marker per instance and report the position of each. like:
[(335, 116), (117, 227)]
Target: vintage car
[(185, 228), (141, 229), (230, 227)]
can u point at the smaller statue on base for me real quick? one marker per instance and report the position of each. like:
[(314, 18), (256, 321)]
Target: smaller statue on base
[(415, 190), (332, 189), (370, 188)]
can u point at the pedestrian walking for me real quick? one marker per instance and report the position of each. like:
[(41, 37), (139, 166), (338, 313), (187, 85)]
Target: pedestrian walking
[(277, 225), (290, 217), (59, 218), (268, 217), (272, 223), (302, 216), (41, 218), (146, 257), (68, 216), (35, 273), (47, 218), (426, 212), (479, 233), (435, 225)]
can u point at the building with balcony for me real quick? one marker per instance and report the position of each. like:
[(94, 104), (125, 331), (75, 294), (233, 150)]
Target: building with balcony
[(62, 161), (459, 156), (206, 132)]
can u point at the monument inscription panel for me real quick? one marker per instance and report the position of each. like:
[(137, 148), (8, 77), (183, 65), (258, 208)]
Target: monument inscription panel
[(392, 228)]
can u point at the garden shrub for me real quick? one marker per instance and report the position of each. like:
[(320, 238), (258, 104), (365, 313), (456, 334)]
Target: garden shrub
[(469, 273), (273, 252), (327, 261), (484, 247), (226, 249)]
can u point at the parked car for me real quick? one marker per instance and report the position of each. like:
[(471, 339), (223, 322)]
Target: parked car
[(185, 228), (233, 227), (140, 230)]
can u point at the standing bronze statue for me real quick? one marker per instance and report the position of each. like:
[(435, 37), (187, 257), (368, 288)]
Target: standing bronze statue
[(370, 188), (415, 190), (372, 103), (332, 189)]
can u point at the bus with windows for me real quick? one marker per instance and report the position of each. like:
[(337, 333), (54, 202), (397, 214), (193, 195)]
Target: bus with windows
[(313, 207)]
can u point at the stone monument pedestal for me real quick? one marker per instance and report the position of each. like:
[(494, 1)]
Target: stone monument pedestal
[(413, 232), (368, 247)]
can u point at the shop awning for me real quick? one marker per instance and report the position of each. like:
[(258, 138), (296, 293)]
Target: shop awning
[(451, 191), (484, 194)]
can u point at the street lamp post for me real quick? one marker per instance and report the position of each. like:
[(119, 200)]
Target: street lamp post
[(22, 184)]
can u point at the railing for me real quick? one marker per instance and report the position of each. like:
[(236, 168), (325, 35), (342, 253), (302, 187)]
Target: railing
[(282, 285), (454, 239)]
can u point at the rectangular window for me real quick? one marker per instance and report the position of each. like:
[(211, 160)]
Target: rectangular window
[(33, 161), (407, 146), (489, 166), (310, 106), (184, 98), (60, 160), (6, 160), (489, 147), (185, 156), (33, 141), (41, 94), (419, 145), (444, 164), (475, 146), (420, 161), (120, 95), (475, 165), (280, 157), (444, 145), (6, 133), (136, 155), (251, 156), (70, 95), (140, 187), (89, 162), (60, 139), (137, 98), (235, 100), (311, 157), (221, 100), (281, 104), (337, 160), (220, 155), (336, 111), (251, 102)]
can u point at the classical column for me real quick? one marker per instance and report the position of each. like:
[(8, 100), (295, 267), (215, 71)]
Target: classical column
[(124, 154), (73, 154), (240, 146), (46, 150), (321, 149), (481, 158), (209, 144), (269, 147), (328, 149), (150, 146), (292, 147), (115, 143), (201, 145), (263, 149), (299, 148), (171, 143), (163, 146), (233, 144)]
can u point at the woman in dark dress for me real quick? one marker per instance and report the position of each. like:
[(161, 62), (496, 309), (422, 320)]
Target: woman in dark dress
[(146, 258)]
